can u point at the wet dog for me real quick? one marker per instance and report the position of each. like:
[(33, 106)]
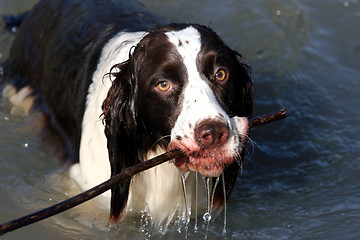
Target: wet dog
[(121, 89)]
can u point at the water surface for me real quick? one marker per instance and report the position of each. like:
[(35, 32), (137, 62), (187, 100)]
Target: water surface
[(301, 178)]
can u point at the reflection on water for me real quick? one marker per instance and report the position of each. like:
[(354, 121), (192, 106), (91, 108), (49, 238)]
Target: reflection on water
[(302, 175)]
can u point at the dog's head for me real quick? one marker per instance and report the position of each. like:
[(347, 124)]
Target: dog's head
[(183, 88)]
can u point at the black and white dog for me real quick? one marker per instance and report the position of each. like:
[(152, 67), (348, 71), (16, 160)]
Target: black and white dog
[(120, 91)]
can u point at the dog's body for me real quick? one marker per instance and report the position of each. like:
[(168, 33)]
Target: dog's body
[(177, 86)]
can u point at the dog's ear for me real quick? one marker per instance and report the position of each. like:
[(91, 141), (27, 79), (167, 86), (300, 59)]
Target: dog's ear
[(241, 104), (119, 116), (243, 88)]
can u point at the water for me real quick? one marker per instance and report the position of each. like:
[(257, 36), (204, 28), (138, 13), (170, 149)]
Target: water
[(225, 205), (196, 203), (187, 211), (209, 187), (301, 178), (207, 214)]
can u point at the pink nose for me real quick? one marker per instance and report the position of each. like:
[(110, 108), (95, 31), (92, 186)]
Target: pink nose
[(211, 134)]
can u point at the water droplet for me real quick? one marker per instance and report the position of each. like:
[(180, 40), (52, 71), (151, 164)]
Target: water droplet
[(224, 192), (207, 217), (196, 202), (278, 12), (187, 212), (207, 189)]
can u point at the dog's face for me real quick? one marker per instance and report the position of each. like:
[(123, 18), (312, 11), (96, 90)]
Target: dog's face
[(190, 92)]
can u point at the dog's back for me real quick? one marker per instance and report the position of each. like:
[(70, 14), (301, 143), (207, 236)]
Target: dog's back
[(83, 28)]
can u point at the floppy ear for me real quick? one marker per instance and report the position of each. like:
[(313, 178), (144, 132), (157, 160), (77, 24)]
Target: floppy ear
[(120, 129), (241, 105), (247, 89), (241, 102)]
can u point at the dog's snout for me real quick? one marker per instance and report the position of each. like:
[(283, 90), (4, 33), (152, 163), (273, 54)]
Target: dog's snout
[(212, 134)]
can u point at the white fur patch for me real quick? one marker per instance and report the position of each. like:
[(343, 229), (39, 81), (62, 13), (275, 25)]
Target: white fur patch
[(94, 167), (158, 191), (199, 101)]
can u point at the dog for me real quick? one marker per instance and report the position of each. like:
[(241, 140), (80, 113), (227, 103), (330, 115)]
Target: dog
[(120, 88)]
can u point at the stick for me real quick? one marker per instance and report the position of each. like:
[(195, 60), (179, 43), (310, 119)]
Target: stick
[(87, 195), (264, 119), (126, 174)]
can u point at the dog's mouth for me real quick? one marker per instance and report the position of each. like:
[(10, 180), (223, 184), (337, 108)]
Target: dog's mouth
[(211, 161), (207, 164)]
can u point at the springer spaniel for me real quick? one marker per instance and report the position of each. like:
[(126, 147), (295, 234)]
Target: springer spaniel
[(120, 91)]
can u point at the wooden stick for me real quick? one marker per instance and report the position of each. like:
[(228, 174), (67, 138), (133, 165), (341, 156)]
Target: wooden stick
[(126, 174), (87, 195), (268, 118)]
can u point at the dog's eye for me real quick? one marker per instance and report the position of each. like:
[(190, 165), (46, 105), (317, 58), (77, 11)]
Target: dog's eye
[(164, 86), (221, 75)]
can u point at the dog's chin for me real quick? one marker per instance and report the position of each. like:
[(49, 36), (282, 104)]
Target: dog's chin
[(206, 166), (208, 162)]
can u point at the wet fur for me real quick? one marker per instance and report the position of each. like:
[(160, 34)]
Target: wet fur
[(56, 56)]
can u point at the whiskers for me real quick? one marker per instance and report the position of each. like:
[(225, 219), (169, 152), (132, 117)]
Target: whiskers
[(172, 124), (243, 147), (154, 145), (253, 144), (239, 161)]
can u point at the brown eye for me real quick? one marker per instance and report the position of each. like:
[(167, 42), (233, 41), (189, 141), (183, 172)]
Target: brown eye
[(164, 86), (221, 75)]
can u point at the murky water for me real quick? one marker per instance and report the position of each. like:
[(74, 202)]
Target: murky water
[(301, 179)]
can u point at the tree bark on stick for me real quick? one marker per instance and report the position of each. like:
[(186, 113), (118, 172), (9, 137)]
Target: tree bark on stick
[(267, 118), (126, 174)]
